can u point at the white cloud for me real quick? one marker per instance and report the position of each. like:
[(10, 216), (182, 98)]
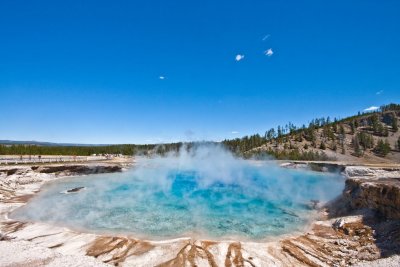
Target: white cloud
[(379, 92), (239, 57), (234, 132), (269, 52), (266, 37), (162, 77), (371, 108)]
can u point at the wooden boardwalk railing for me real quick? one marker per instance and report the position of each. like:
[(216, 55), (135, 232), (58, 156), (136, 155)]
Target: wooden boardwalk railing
[(6, 160)]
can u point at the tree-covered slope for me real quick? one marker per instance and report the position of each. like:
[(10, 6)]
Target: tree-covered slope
[(365, 136)]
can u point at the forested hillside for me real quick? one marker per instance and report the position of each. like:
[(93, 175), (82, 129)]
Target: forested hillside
[(368, 136)]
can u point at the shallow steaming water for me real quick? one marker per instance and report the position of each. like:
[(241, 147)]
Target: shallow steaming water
[(165, 199)]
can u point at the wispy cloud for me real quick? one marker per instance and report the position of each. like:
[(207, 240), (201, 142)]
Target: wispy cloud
[(269, 52), (266, 37), (234, 132), (371, 108), (379, 92), (162, 77), (239, 57)]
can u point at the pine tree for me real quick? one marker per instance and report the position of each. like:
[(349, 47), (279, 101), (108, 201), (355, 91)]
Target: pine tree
[(357, 149), (374, 122), (322, 146), (379, 129), (334, 146), (366, 140), (280, 131), (394, 125), (382, 148), (335, 129), (353, 127), (385, 131), (299, 137), (398, 144), (341, 129)]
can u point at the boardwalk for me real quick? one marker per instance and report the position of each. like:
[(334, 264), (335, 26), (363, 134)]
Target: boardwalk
[(12, 159)]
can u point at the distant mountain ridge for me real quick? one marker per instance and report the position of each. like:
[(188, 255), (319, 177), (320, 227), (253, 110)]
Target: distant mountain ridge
[(39, 143)]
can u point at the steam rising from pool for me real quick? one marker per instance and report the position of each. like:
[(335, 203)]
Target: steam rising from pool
[(205, 192)]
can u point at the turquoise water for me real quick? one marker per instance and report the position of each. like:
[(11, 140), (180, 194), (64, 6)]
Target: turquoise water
[(166, 199)]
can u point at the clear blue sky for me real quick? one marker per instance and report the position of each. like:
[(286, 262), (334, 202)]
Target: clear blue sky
[(89, 71)]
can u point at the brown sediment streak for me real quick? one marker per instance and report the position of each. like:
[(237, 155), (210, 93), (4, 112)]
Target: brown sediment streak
[(323, 231), (179, 260), (142, 247), (210, 257), (234, 250), (276, 253), (118, 248), (121, 255), (189, 253), (297, 253), (103, 245), (314, 249), (12, 226), (206, 243), (56, 245), (39, 236), (7, 194), (249, 262), (238, 259)]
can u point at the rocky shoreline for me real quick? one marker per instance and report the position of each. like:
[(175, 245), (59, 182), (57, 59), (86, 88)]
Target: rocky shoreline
[(361, 226)]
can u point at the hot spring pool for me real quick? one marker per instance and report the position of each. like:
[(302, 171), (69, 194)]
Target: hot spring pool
[(167, 198)]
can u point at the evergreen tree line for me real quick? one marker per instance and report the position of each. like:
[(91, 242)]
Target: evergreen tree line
[(294, 154), (125, 149)]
